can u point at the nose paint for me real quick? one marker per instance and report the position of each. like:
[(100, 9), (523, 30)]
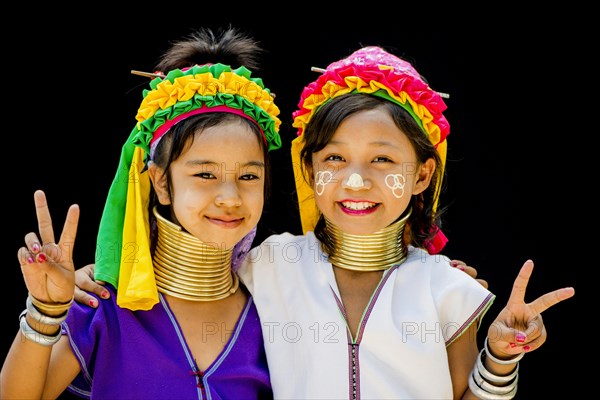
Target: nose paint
[(355, 181)]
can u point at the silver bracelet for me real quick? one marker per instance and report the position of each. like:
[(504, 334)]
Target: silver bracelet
[(490, 387), (37, 316), (485, 395), (490, 377), (488, 353), (483, 383), (35, 336)]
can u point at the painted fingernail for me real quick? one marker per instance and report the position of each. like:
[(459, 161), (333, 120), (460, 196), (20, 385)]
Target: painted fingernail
[(41, 258), (30, 260), (35, 247), (513, 345), (520, 337), (104, 294), (92, 302), (453, 263), (526, 348)]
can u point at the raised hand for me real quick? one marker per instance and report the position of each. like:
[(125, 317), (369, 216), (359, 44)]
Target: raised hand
[(519, 326), (47, 266)]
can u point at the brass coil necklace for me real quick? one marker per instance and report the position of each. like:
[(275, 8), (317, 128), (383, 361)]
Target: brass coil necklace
[(190, 269), (374, 252)]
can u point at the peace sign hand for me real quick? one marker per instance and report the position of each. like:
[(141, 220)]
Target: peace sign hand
[(47, 267), (519, 326)]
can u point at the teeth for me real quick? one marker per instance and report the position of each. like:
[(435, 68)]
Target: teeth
[(358, 206)]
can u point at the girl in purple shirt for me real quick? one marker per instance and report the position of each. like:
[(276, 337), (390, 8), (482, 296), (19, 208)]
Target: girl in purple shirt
[(181, 211)]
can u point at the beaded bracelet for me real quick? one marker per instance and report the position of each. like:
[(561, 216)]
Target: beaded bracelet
[(35, 336), (497, 360)]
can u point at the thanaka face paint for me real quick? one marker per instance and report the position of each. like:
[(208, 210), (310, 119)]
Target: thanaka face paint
[(322, 178), (396, 183)]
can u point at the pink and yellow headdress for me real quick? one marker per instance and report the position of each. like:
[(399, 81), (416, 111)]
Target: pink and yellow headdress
[(373, 71), (123, 256)]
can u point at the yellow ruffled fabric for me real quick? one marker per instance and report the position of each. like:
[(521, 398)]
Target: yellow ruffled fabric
[(167, 93), (356, 84)]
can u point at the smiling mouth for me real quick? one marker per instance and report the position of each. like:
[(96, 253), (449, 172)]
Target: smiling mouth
[(226, 223), (358, 205)]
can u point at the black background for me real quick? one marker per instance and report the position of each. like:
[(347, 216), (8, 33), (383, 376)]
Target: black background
[(71, 100)]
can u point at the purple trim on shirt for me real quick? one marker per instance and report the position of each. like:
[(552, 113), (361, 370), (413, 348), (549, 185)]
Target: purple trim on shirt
[(482, 307), (373, 301), (354, 361)]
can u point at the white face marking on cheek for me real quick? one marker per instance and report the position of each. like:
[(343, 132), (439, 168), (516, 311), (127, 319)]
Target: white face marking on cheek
[(355, 181), (322, 178), (396, 183)]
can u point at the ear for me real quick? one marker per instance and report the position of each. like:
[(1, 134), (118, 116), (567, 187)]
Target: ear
[(159, 182), (424, 175)]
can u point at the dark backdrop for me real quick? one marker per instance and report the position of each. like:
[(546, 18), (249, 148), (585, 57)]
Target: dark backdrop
[(72, 100)]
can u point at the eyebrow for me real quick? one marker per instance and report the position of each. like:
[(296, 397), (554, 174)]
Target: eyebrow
[(193, 163), (379, 143)]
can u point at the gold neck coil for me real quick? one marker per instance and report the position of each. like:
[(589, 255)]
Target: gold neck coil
[(190, 269), (374, 252)]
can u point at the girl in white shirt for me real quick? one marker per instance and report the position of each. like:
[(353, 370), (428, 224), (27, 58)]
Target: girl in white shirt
[(362, 306)]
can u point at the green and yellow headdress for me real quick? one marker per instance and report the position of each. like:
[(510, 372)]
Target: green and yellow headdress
[(123, 256), (373, 71)]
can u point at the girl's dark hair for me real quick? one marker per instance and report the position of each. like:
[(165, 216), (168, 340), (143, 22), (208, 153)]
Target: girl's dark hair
[(229, 47), (322, 127), (226, 46)]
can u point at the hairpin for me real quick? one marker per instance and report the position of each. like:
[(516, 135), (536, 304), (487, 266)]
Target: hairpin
[(148, 74)]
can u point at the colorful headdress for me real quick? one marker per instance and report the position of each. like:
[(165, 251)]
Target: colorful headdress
[(123, 256), (373, 71)]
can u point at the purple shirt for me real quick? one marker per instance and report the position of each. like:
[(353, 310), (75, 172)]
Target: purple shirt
[(127, 354)]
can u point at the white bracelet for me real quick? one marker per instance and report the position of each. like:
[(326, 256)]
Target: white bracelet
[(35, 336), (490, 377), (38, 316), (491, 387), (484, 384), (485, 395), (488, 353)]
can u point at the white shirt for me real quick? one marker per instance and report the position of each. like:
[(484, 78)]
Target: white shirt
[(418, 309)]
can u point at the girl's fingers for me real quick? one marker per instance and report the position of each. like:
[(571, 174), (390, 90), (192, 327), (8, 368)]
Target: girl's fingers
[(33, 243), (534, 329), (67, 237), (28, 259), (547, 300), (25, 257), (63, 251), (533, 344), (472, 272), (517, 295), (84, 279), (83, 297), (43, 217)]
